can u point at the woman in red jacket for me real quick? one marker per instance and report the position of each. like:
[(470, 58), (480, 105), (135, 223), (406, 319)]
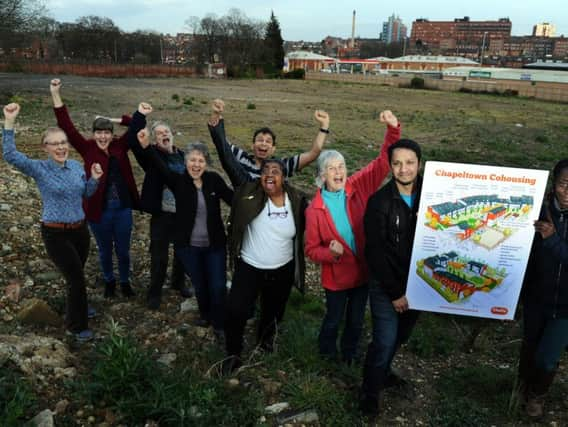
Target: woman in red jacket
[(109, 210), (335, 239)]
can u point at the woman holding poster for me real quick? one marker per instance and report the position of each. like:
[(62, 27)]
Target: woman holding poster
[(545, 297)]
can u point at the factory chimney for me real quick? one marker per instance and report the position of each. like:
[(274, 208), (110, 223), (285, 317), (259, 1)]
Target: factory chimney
[(353, 31)]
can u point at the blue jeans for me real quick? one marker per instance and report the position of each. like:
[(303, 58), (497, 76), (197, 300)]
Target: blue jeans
[(545, 336), (390, 330), (207, 269), (114, 230), (352, 302)]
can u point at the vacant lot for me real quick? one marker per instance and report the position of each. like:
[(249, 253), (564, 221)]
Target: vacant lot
[(461, 370)]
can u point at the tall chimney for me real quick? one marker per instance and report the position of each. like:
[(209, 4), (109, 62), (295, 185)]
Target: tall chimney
[(353, 31)]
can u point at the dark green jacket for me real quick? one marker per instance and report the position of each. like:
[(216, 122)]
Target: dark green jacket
[(248, 202)]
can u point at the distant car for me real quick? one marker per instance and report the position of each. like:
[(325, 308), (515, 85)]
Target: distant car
[(326, 70)]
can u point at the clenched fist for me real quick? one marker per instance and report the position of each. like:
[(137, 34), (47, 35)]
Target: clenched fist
[(388, 118), (144, 108), (322, 118), (143, 138), (96, 170)]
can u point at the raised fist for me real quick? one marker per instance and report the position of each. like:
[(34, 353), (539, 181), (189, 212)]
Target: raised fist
[(55, 85), (145, 108), (322, 118), (218, 106), (96, 170), (388, 118), (11, 111), (143, 138)]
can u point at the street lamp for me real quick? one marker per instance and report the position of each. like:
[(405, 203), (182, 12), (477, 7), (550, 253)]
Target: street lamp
[(482, 48)]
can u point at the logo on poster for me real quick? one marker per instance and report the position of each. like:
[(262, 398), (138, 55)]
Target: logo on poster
[(499, 310)]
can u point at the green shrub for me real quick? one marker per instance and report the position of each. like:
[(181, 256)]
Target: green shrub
[(16, 397), (417, 83), (175, 97), (251, 106), (187, 101), (298, 73), (542, 138)]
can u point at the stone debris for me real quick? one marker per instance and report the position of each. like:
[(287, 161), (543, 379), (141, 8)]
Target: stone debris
[(38, 312), (276, 408), (43, 419)]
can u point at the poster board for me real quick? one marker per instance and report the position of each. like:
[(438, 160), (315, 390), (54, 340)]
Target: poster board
[(473, 237)]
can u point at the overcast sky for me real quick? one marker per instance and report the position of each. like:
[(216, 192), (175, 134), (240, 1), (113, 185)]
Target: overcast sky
[(313, 20)]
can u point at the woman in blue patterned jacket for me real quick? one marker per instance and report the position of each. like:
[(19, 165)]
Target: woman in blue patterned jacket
[(62, 185)]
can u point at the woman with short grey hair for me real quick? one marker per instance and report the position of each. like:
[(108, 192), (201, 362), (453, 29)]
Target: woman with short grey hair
[(335, 239)]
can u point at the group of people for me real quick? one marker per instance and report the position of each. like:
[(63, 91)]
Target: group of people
[(360, 231)]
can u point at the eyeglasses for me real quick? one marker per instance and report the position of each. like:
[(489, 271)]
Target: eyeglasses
[(57, 143), (279, 214)]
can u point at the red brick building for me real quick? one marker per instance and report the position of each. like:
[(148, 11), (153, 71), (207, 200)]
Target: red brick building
[(461, 35)]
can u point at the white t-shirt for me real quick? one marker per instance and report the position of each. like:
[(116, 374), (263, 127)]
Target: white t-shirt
[(268, 240)]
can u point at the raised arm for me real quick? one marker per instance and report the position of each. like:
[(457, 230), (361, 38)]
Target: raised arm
[(369, 178), (154, 159), (232, 167), (9, 151), (64, 121), (136, 125), (309, 156)]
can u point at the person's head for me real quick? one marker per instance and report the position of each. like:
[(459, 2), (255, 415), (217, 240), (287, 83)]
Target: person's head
[(560, 183), (331, 171), (272, 177), (55, 144), (161, 135), (197, 159), (102, 132), (263, 143), (404, 159)]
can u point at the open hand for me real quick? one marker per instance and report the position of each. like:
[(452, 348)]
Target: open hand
[(388, 118), (143, 138), (96, 170)]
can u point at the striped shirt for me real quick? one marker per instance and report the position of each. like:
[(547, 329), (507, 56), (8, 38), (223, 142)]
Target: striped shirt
[(248, 162), (62, 187)]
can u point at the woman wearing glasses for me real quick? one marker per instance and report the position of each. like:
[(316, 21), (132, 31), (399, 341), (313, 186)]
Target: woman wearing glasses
[(109, 211), (63, 186), (266, 246), (335, 239)]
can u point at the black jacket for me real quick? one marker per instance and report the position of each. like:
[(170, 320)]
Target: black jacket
[(389, 233), (153, 185), (214, 189), (546, 281)]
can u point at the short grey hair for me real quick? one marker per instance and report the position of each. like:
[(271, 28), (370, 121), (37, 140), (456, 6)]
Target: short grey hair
[(155, 125), (199, 147), (324, 158)]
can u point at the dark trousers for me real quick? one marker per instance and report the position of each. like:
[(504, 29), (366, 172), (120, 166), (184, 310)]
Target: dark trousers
[(162, 233), (68, 249), (352, 303), (207, 268), (113, 231), (274, 288), (390, 330)]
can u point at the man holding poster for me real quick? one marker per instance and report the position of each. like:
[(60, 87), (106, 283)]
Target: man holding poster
[(390, 221)]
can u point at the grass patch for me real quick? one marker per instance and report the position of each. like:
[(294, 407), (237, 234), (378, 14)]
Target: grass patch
[(16, 396), (433, 336)]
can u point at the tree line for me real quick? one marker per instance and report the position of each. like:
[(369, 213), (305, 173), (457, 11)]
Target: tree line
[(240, 42)]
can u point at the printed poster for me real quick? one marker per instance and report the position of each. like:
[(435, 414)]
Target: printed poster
[(473, 238)]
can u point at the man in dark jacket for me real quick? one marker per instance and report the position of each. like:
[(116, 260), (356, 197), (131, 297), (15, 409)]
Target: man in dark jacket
[(159, 201), (390, 222)]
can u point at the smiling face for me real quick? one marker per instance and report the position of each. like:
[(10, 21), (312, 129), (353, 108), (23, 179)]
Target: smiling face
[(334, 175), (263, 146), (103, 138), (271, 179), (195, 164), (561, 189), (404, 166), (163, 137), (56, 146)]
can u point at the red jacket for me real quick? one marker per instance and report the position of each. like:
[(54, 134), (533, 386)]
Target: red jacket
[(91, 153), (349, 270)]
